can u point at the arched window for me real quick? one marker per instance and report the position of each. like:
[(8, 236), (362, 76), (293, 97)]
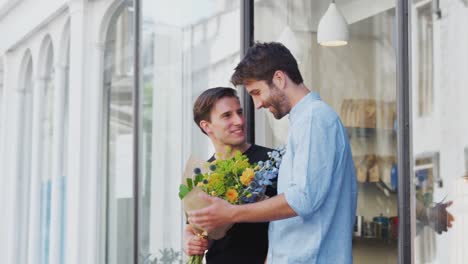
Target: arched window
[(118, 116), (1, 94), (55, 138), (63, 143), (23, 160), (46, 137)]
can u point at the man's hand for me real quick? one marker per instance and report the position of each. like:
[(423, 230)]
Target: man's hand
[(219, 213), (193, 244), (439, 219)]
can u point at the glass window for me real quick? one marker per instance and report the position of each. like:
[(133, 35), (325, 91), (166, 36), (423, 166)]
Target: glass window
[(47, 129), (1, 92), (24, 163), (118, 137), (439, 140), (2, 121), (424, 53), (187, 47), (64, 152), (359, 81)]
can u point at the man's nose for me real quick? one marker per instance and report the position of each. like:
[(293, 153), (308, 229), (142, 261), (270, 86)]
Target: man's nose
[(258, 103), (239, 119)]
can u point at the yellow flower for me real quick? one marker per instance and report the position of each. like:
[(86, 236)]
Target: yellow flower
[(232, 195), (247, 176), (228, 149)]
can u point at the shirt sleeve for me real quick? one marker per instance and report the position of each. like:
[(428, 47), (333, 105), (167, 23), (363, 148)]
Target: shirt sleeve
[(316, 147)]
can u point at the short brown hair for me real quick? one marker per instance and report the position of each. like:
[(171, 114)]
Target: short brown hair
[(205, 102), (261, 62)]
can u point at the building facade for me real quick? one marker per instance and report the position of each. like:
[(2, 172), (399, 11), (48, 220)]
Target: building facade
[(96, 119)]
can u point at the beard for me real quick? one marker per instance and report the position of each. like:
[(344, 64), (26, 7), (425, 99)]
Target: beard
[(278, 103)]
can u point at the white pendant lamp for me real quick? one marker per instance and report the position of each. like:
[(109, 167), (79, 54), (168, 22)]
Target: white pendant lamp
[(333, 28)]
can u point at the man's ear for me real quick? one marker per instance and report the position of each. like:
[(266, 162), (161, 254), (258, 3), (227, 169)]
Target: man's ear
[(279, 79), (205, 125)]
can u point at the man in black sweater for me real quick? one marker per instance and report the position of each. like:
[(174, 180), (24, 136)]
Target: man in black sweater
[(218, 113)]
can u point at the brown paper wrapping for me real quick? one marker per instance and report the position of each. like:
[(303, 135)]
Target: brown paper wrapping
[(194, 199)]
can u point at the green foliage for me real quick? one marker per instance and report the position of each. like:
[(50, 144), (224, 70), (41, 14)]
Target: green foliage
[(222, 178), (190, 184), (183, 191), (198, 178)]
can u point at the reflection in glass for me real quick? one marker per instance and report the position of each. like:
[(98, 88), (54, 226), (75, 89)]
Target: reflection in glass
[(118, 87), (187, 47), (24, 164), (424, 53), (1, 90), (47, 129), (359, 82), (439, 131)]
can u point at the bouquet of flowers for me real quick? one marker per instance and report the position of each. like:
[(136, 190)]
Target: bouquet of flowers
[(232, 179)]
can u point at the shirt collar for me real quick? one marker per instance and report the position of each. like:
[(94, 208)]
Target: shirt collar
[(302, 104)]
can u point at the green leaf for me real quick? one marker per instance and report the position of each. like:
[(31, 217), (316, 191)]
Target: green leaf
[(190, 183), (198, 178), (183, 191)]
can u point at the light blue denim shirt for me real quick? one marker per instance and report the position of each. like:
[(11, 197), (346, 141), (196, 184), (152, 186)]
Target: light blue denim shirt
[(318, 178)]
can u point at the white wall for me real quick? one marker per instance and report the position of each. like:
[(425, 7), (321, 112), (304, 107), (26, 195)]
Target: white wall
[(87, 29), (445, 130)]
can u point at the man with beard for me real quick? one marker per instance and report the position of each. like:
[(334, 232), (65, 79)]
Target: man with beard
[(313, 214), (218, 113)]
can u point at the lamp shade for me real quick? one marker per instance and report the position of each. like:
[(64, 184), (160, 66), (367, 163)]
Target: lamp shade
[(332, 28)]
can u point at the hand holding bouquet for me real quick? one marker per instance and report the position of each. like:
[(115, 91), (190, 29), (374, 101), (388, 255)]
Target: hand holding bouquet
[(232, 179)]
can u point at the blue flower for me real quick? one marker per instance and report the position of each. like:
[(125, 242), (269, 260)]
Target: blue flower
[(275, 154), (247, 199), (282, 150), (253, 184), (270, 175), (278, 164), (267, 182), (197, 171), (254, 195), (259, 175)]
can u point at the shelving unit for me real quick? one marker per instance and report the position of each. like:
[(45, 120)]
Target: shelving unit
[(369, 132), (369, 125)]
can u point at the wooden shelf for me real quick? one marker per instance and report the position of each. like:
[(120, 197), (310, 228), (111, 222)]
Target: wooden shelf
[(379, 186), (367, 132)]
